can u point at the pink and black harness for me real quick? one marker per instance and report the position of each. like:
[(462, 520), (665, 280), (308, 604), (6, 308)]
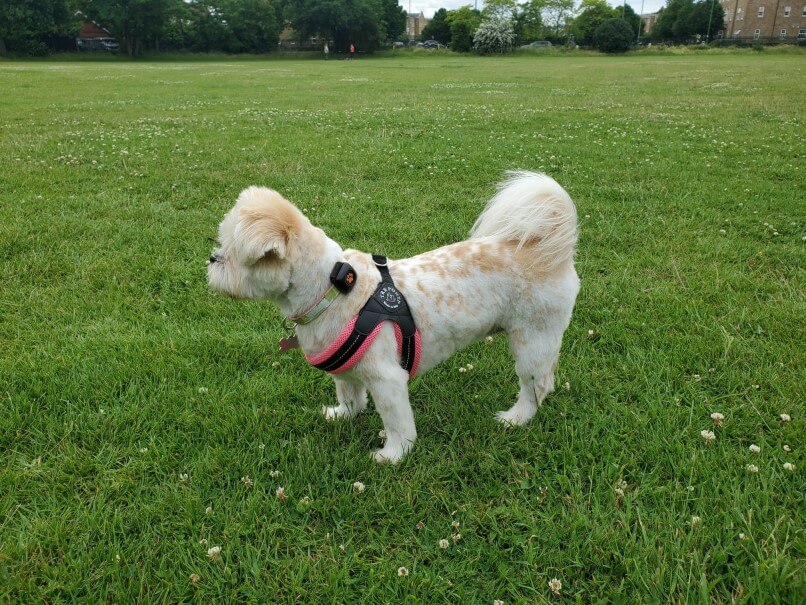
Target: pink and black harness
[(387, 303)]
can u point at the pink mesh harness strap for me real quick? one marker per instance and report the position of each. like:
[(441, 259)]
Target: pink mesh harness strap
[(351, 355)]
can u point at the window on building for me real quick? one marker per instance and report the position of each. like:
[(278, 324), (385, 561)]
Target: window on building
[(760, 12), (782, 35), (787, 11), (801, 34), (756, 34)]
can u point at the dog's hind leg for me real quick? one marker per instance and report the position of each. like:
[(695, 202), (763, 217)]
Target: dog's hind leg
[(352, 400), (536, 353)]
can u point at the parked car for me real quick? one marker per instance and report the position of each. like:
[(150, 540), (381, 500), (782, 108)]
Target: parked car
[(433, 44), (538, 44), (98, 44)]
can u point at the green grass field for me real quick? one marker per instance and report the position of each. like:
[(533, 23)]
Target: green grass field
[(120, 372)]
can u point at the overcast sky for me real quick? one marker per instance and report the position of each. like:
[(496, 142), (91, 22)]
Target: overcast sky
[(429, 7)]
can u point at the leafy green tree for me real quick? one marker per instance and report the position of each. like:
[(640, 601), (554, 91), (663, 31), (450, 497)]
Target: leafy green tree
[(500, 9), (594, 13), (633, 19), (529, 22), (614, 36), (438, 28), (207, 30), (556, 14), (461, 36), (25, 25), (665, 27), (345, 22), (393, 17), (134, 22), (705, 19), (253, 24)]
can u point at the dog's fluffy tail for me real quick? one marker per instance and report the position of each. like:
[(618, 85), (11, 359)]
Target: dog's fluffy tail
[(532, 210)]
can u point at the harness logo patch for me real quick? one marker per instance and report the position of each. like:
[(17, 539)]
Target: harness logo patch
[(390, 298)]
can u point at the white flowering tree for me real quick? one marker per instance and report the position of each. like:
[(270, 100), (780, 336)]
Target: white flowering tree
[(495, 35)]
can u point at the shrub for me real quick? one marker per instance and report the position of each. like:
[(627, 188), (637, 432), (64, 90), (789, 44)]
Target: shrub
[(494, 35), (461, 40), (613, 36)]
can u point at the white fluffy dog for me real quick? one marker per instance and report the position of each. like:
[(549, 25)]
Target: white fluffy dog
[(515, 274)]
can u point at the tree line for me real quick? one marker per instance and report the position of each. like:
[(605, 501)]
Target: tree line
[(36, 27)]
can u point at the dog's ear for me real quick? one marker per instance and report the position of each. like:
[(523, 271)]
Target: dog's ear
[(267, 227)]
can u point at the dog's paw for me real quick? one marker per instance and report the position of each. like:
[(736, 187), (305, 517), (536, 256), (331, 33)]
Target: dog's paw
[(390, 454), (335, 412), (510, 418)]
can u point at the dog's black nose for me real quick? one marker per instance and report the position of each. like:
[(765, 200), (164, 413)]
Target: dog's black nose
[(213, 258)]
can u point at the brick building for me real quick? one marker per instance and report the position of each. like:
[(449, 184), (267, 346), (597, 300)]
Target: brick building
[(415, 24), (768, 20)]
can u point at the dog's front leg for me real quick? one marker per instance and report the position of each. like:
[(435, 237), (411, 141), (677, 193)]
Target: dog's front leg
[(352, 398), (391, 396)]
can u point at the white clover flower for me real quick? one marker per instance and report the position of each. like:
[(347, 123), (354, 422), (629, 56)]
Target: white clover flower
[(275, 364), (274, 474), (203, 541), (788, 466), (456, 537), (697, 378), (619, 492), (402, 571), (214, 553), (695, 521), (590, 332), (752, 468), (555, 585), (208, 510), (382, 434), (489, 340), (143, 450), (470, 367), (420, 525), (194, 578), (443, 544), (184, 478), (785, 418), (305, 500), (754, 449), (498, 602), (787, 448), (742, 537), (359, 487), (567, 386), (462, 370), (717, 417), (202, 390), (708, 436), (455, 524), (247, 481), (280, 493), (261, 447)]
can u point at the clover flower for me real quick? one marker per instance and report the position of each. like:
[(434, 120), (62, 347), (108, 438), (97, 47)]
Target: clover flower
[(443, 544), (788, 466), (359, 487), (709, 436), (784, 418), (280, 493), (752, 468), (754, 449), (247, 481), (274, 474), (718, 418), (194, 578), (555, 585), (214, 553), (402, 571), (184, 478), (695, 521)]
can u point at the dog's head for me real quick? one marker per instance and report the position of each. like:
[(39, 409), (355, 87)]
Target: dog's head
[(259, 242)]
